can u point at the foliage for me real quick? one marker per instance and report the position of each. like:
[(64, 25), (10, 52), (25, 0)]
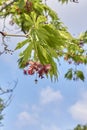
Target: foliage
[(1, 110), (81, 127), (66, 1), (5, 99), (75, 75), (47, 39)]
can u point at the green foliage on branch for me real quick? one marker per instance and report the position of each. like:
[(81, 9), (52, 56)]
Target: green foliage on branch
[(2, 106), (75, 75), (81, 127)]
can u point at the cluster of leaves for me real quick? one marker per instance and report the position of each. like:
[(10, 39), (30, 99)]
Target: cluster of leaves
[(74, 74), (47, 38), (81, 127), (76, 54)]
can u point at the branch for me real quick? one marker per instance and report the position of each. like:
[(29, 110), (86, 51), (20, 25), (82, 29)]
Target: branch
[(14, 35), (6, 4), (75, 1), (3, 91)]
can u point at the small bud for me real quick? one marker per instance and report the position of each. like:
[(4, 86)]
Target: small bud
[(36, 81), (25, 72)]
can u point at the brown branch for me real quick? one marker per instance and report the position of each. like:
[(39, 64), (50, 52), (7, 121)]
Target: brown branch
[(14, 35), (6, 4)]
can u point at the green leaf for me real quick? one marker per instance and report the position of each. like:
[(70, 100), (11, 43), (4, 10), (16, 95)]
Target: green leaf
[(80, 75), (38, 7), (28, 18), (21, 44), (21, 4), (69, 74), (34, 16), (52, 13), (42, 54), (41, 19), (65, 35), (25, 55), (46, 58), (52, 52), (50, 36)]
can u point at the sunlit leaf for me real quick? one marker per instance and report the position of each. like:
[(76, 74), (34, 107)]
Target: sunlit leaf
[(25, 55), (69, 74), (41, 19), (21, 44), (80, 75)]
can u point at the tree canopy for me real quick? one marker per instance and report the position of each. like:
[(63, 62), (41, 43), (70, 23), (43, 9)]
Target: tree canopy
[(47, 39), (80, 127)]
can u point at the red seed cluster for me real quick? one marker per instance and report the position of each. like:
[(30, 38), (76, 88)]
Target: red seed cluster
[(29, 6), (36, 67)]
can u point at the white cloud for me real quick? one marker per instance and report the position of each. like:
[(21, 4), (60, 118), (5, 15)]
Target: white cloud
[(26, 119), (49, 95), (79, 109), (36, 108), (32, 113), (52, 127)]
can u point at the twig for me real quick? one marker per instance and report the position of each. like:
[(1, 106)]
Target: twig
[(13, 35), (2, 91)]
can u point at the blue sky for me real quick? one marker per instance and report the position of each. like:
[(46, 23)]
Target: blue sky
[(46, 105)]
